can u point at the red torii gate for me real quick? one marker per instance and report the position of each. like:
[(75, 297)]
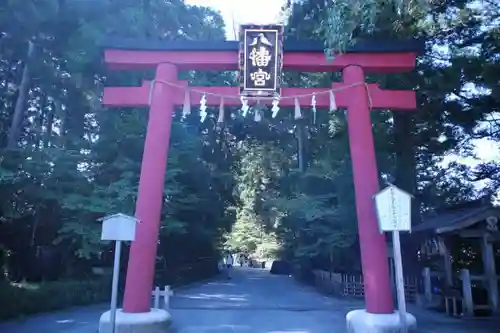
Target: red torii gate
[(168, 58)]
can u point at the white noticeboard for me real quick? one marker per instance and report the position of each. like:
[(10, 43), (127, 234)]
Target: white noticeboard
[(393, 209), (394, 215), (118, 227)]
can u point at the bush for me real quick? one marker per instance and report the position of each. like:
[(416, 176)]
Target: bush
[(188, 273), (17, 300), (303, 273), (281, 267), (24, 299)]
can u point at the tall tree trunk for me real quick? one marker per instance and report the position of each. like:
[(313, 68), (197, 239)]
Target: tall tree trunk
[(17, 118), (61, 113), (50, 124), (301, 156), (406, 178), (41, 118), (406, 168), (36, 224)]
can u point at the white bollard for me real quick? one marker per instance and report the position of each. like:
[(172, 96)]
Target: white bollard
[(156, 293), (166, 294)]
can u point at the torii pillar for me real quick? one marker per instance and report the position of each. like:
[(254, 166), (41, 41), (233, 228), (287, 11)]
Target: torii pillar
[(137, 315), (379, 315)]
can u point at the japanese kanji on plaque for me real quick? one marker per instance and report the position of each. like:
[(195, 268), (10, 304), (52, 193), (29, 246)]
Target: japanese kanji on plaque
[(261, 50)]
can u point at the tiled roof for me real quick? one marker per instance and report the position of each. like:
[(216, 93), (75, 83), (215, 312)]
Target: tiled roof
[(450, 218)]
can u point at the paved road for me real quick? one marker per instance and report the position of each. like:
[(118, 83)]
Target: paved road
[(254, 301)]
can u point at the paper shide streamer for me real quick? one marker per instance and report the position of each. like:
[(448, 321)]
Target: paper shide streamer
[(203, 108), (221, 111), (313, 107), (244, 105), (275, 107), (186, 108)]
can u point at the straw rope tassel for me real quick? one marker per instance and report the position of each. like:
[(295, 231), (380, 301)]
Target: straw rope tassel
[(298, 114), (186, 109), (221, 111), (333, 103)]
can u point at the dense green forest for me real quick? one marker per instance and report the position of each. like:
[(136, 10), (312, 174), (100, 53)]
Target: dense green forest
[(278, 187)]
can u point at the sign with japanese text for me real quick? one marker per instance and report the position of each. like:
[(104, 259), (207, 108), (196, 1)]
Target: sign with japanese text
[(261, 51), (393, 209)]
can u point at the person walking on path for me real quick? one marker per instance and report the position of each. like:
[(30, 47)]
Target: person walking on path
[(229, 261)]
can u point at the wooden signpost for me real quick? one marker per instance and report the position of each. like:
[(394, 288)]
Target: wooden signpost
[(119, 228), (394, 215)]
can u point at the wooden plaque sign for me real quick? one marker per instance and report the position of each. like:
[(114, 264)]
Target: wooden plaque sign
[(261, 52)]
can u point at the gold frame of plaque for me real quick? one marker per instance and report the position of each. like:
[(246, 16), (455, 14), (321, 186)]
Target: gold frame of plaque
[(261, 60)]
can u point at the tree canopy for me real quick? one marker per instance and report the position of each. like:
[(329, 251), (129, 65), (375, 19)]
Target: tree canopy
[(278, 187)]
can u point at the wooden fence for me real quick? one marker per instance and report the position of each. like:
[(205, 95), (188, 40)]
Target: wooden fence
[(352, 285), (458, 295)]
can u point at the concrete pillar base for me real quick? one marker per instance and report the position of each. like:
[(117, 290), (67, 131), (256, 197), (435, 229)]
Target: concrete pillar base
[(154, 321), (360, 321)]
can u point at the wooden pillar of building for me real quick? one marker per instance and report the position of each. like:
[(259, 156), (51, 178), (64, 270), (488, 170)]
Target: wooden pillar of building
[(490, 274)]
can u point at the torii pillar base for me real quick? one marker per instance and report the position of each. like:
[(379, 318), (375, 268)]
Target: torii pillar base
[(360, 321), (154, 321)]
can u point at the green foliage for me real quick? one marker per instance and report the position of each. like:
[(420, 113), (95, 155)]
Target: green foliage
[(279, 187), (75, 161), (341, 22), (204, 268), (461, 45), (290, 213)]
